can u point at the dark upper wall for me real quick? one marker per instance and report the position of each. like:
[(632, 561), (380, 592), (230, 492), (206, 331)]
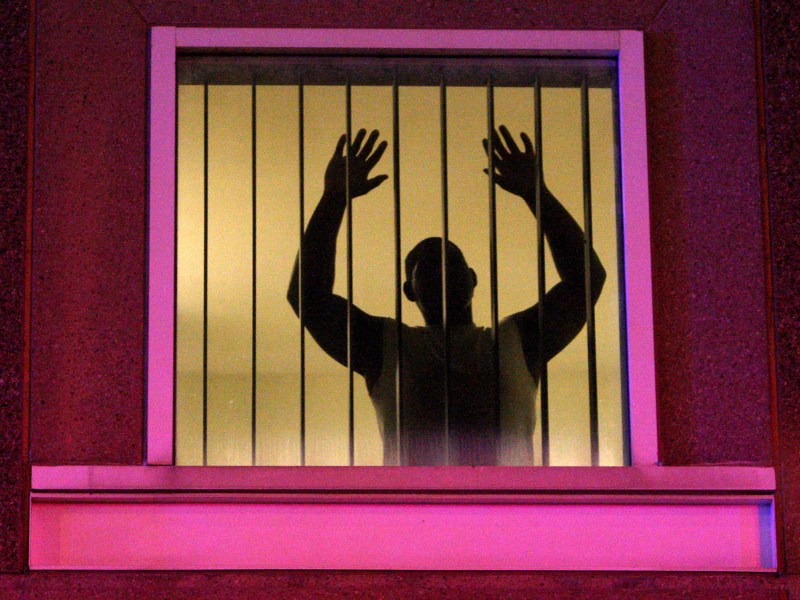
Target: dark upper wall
[(428, 14), (14, 67), (89, 217)]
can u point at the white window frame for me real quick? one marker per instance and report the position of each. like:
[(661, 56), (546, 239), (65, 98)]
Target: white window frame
[(626, 46), (642, 517)]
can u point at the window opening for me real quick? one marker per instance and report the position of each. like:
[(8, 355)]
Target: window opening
[(254, 131)]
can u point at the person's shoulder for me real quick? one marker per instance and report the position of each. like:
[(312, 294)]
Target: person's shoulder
[(508, 324), (509, 331), (391, 322), (390, 328)]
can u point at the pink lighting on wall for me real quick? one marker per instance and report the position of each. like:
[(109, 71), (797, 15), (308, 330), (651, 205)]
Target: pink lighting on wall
[(209, 535), (603, 518)]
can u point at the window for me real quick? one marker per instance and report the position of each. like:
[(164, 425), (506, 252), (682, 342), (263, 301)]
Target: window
[(248, 389), (230, 70), (162, 516)]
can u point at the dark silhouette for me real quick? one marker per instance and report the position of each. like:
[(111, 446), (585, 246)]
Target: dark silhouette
[(480, 427)]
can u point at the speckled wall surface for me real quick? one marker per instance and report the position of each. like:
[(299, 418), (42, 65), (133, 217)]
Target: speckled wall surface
[(708, 274), (302, 584), (781, 34), (708, 258), (14, 64), (87, 385)]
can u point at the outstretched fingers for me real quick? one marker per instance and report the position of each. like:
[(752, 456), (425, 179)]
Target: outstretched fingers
[(513, 168), (509, 140), (339, 151), (499, 147), (498, 151), (355, 144), (372, 160), (526, 141), (365, 151), (368, 154), (374, 182), (342, 173)]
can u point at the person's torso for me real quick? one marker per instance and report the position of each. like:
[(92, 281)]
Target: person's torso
[(447, 416)]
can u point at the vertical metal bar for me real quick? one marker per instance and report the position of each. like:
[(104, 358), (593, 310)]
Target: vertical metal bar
[(174, 300), (398, 269), (623, 319), (350, 389), (541, 363), (587, 261), (493, 262), (253, 382), (302, 201), (205, 274), (445, 239)]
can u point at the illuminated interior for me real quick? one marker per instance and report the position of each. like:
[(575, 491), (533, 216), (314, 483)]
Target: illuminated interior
[(230, 297)]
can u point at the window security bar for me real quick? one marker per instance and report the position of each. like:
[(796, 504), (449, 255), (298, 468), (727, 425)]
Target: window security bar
[(254, 279), (205, 274), (587, 262), (302, 227), (493, 252), (445, 240), (542, 367), (398, 269), (349, 216), (541, 364)]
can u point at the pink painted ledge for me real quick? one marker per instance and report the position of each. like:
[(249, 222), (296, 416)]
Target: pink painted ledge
[(561, 480), (492, 518), (129, 536)]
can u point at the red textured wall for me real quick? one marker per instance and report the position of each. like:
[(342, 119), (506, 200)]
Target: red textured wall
[(368, 586), (708, 274), (781, 34), (14, 66), (87, 384), (708, 251)]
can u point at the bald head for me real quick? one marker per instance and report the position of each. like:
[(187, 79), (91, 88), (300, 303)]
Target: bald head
[(423, 286), (430, 249)]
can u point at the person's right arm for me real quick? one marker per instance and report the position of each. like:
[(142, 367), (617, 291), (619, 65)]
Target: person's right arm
[(325, 313)]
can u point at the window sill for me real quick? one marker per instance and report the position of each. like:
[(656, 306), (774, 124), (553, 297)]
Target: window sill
[(492, 518)]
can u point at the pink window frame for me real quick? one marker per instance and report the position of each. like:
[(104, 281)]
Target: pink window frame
[(626, 46)]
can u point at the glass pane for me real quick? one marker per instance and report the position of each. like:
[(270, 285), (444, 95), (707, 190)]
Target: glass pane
[(250, 324), (190, 279), (229, 284), (278, 232)]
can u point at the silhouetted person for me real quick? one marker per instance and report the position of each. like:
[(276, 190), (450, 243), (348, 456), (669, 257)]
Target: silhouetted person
[(481, 428)]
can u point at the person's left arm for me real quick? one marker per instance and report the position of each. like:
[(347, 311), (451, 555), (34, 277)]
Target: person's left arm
[(564, 306)]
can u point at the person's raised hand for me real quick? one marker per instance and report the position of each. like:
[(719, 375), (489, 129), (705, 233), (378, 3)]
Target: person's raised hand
[(514, 169), (363, 159)]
